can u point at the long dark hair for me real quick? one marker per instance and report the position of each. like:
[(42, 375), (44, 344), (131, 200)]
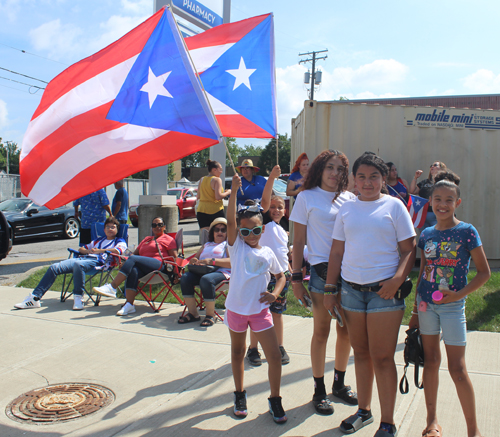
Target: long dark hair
[(315, 173)]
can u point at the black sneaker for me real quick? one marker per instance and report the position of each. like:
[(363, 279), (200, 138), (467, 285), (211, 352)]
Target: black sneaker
[(285, 359), (240, 404), (253, 357), (276, 410)]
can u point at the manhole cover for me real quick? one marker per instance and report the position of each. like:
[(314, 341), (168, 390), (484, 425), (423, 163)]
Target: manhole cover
[(60, 402)]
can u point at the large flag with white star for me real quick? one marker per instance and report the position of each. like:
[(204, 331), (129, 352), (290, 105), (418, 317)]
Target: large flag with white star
[(235, 62), (135, 105)]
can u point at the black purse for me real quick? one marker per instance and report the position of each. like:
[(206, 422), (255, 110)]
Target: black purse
[(413, 354), (201, 270), (405, 289)]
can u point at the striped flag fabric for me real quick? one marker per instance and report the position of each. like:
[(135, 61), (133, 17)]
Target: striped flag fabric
[(236, 65), (135, 105), (417, 207)]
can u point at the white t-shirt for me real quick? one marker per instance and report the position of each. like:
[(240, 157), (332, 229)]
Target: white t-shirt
[(371, 231), (275, 237), (250, 274), (214, 250), (314, 209)]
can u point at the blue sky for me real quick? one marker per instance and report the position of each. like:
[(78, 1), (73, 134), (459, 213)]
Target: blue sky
[(375, 49)]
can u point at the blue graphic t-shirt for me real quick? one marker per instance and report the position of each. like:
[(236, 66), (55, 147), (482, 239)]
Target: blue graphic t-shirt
[(447, 258), (296, 176)]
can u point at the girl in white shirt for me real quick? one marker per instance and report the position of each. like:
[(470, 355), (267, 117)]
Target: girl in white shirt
[(373, 251), (248, 300), (276, 238), (314, 214)]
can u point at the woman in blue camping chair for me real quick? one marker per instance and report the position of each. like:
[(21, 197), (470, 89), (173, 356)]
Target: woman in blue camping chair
[(211, 256), (149, 256)]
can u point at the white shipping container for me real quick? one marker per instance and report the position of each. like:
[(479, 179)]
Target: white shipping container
[(413, 137)]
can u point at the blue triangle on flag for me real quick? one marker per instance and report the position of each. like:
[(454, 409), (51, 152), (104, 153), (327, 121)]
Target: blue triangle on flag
[(254, 95), (161, 90)]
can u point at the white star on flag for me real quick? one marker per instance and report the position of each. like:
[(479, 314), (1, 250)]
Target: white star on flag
[(242, 75), (417, 202), (154, 86)]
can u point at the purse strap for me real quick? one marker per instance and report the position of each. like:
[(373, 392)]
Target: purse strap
[(159, 251)]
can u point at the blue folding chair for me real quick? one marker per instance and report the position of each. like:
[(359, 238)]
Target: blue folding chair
[(94, 278)]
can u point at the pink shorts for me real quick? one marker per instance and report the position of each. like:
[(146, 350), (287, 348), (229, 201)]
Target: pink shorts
[(257, 322)]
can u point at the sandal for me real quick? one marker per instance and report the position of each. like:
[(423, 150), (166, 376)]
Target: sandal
[(437, 431), (346, 394), (322, 404), (382, 432), (354, 423), (188, 318), (208, 321)]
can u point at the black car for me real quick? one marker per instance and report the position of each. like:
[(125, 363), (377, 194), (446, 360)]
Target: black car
[(5, 236), (29, 220)]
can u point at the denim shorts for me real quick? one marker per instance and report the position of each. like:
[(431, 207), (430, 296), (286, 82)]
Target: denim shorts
[(449, 317), (316, 284), (279, 305), (368, 301)]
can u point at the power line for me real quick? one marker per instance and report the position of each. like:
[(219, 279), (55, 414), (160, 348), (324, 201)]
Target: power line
[(22, 83), (313, 74), (32, 54), (20, 74)]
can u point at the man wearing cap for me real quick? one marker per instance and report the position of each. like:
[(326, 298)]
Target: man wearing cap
[(252, 184)]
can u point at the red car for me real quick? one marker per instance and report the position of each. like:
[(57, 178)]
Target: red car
[(186, 202)]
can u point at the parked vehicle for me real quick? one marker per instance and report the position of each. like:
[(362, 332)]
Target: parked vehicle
[(186, 203), (28, 220), (5, 236)]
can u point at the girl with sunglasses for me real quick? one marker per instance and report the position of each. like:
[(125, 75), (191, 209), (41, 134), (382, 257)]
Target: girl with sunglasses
[(212, 253), (147, 258), (247, 303)]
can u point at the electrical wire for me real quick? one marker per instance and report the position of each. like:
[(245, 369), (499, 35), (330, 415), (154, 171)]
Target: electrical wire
[(32, 54), (22, 83), (20, 74)]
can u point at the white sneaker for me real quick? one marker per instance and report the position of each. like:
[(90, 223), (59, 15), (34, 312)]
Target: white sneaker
[(127, 309), (106, 290), (28, 302), (78, 302)]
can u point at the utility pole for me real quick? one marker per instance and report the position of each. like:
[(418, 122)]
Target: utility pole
[(313, 73)]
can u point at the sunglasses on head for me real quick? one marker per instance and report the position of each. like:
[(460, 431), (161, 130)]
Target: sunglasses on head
[(435, 165), (245, 232), (157, 225)]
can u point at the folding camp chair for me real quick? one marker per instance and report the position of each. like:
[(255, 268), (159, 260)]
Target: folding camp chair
[(220, 291), (163, 278), (96, 277)]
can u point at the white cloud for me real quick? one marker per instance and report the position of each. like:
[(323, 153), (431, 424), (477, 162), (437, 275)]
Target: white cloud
[(482, 81), (114, 28), (9, 9), (379, 79), (60, 41), (137, 7), (3, 114)]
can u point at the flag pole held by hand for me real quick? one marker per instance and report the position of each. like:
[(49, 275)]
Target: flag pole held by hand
[(231, 161)]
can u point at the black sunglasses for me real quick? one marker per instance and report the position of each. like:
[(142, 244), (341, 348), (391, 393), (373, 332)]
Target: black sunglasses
[(157, 225)]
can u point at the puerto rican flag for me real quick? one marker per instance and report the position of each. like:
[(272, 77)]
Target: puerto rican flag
[(135, 105), (417, 207), (236, 65)]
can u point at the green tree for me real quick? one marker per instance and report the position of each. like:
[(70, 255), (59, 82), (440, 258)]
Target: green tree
[(268, 156), (13, 151), (251, 150)]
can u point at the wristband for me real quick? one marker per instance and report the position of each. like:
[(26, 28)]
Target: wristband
[(332, 286), (296, 282), (213, 261), (297, 276)]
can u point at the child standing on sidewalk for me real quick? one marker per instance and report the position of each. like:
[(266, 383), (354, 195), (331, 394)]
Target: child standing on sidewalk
[(276, 238), (442, 288), (248, 300)]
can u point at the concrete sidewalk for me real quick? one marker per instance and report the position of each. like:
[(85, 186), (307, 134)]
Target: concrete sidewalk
[(172, 379)]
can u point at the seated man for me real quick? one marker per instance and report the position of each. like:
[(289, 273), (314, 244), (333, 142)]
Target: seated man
[(96, 256)]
